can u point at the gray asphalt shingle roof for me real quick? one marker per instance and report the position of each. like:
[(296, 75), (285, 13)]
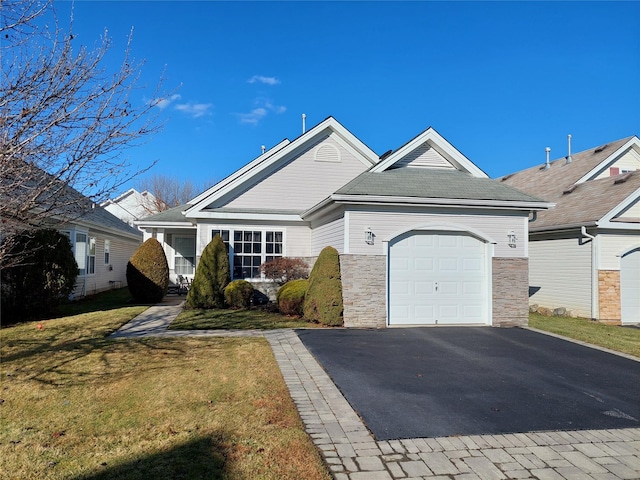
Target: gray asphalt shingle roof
[(432, 183)]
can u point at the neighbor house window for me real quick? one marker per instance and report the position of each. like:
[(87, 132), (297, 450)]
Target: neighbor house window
[(81, 252), (107, 252), (248, 249), (185, 257), (91, 256)]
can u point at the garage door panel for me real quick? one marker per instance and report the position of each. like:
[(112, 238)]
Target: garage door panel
[(446, 275)]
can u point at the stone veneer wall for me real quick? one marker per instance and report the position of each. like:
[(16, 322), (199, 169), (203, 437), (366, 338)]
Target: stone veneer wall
[(364, 290), (510, 292), (609, 307)]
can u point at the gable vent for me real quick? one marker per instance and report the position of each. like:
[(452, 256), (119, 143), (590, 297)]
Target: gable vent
[(327, 153), (423, 156)]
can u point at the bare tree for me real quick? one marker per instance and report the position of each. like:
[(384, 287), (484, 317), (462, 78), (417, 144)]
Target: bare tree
[(170, 191), (64, 121)]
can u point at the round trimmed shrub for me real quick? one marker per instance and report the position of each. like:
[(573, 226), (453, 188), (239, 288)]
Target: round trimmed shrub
[(42, 280), (238, 294), (148, 273), (323, 300), (290, 297), (211, 278)]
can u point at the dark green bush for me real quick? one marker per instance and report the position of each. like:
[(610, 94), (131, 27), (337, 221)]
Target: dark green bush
[(148, 272), (211, 278), (290, 297), (238, 294), (44, 279), (323, 300)]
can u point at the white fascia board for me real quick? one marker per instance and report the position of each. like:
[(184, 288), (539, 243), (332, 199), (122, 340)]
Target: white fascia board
[(356, 147), (610, 159), (635, 196), (222, 183), (143, 224), (100, 228), (441, 145), (270, 217)]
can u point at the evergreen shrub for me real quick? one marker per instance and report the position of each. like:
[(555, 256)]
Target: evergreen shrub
[(238, 294), (148, 272), (211, 278), (290, 297), (323, 299), (43, 280)]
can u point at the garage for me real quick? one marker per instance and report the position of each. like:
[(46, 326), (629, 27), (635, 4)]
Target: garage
[(438, 278), (630, 286)]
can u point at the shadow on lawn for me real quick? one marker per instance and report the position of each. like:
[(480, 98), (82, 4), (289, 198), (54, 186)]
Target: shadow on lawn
[(197, 459)]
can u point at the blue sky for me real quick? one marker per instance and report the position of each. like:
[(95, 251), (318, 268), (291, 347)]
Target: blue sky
[(499, 80)]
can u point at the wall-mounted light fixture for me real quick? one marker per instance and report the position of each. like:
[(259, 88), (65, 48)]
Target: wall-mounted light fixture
[(512, 239), (368, 236)]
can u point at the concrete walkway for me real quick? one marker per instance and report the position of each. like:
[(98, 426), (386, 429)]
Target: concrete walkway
[(353, 454)]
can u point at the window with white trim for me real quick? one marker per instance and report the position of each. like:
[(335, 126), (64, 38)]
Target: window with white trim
[(107, 252), (185, 256), (250, 249), (81, 252)]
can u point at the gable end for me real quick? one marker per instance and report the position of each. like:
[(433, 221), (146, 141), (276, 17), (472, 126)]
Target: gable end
[(424, 156)]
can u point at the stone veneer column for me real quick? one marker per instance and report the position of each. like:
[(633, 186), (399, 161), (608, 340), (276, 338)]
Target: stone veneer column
[(510, 292), (609, 308), (364, 290)]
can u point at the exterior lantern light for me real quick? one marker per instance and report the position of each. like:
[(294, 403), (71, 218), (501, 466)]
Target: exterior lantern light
[(368, 236), (512, 239)]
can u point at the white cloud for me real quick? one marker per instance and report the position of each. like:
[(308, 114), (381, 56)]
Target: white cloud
[(265, 80), (253, 117), (163, 103), (195, 110)]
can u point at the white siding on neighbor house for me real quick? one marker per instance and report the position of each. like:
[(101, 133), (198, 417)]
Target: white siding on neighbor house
[(560, 274), (301, 183), (384, 224), (612, 245), (329, 234), (423, 156), (630, 160)]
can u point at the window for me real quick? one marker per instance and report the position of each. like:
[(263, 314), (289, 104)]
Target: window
[(91, 256), (81, 253), (250, 249), (107, 252), (185, 257)]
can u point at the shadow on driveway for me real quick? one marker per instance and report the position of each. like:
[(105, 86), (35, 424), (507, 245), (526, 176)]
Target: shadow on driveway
[(447, 381)]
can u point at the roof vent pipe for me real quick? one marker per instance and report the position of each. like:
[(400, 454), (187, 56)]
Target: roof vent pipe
[(304, 127), (569, 159), (547, 165), (263, 148)]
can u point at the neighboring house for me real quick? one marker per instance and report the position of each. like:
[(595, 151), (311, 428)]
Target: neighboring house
[(424, 236), (584, 254), (132, 205), (102, 245)]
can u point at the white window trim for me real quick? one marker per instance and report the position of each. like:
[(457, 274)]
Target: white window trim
[(177, 254)]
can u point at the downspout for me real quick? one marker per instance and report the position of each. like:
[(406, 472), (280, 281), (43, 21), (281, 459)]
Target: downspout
[(594, 273)]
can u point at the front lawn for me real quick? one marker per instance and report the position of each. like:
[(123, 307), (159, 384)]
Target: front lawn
[(621, 339), (75, 404), (255, 318)]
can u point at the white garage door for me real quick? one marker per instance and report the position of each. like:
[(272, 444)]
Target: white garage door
[(437, 278), (630, 286)]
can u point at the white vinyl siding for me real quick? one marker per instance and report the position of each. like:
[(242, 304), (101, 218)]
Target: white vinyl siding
[(632, 212), (560, 274), (303, 182), (329, 234), (630, 161), (386, 224), (423, 156), (611, 246)]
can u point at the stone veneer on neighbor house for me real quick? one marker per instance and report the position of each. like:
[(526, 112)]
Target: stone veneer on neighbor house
[(510, 291), (609, 308), (364, 286)]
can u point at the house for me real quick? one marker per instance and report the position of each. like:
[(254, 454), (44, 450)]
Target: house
[(584, 254), (102, 245), (424, 236), (132, 205)]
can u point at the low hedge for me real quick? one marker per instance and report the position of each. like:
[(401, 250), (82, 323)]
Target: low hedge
[(290, 297), (238, 294)]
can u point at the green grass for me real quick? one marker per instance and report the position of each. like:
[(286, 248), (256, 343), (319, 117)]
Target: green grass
[(255, 318), (78, 405), (614, 337)]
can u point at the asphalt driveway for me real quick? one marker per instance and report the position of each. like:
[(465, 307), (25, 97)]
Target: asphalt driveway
[(445, 381)]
